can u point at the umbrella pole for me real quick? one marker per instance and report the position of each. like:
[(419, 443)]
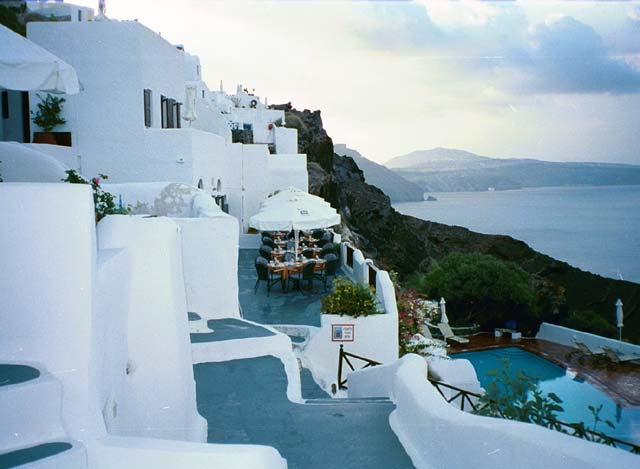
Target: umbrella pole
[(295, 235)]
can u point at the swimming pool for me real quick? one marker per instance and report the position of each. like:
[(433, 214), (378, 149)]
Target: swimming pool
[(576, 394)]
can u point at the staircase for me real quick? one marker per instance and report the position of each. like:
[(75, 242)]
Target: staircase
[(31, 430), (245, 401)]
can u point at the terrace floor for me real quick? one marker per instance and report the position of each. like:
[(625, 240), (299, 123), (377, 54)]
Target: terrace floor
[(278, 308), (620, 381)]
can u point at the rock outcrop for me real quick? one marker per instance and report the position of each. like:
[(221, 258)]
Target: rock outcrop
[(406, 244)]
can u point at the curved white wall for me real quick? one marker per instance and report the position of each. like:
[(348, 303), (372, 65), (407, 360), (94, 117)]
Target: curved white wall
[(160, 396)]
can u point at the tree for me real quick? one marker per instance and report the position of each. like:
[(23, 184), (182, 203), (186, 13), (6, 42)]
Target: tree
[(479, 288)]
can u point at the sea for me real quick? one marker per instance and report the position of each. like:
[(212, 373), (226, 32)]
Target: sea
[(596, 229)]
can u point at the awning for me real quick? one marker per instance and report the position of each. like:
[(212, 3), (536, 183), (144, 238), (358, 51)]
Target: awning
[(25, 66)]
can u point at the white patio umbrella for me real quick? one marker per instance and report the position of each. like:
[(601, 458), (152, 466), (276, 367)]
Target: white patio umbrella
[(443, 309), (296, 210), (190, 113), (25, 66), (619, 317)]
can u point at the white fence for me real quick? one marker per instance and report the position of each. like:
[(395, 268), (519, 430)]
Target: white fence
[(565, 336)]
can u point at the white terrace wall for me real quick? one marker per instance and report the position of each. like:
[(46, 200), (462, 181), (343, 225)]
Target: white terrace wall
[(565, 336), (48, 252), (436, 434), (375, 336), (159, 396)]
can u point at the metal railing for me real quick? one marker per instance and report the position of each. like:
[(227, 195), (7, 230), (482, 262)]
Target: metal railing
[(344, 356), (572, 429)]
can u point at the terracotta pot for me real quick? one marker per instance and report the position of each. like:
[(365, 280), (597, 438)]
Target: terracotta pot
[(44, 137)]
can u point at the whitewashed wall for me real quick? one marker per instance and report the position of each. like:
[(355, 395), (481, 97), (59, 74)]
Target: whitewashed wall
[(286, 140), (160, 392), (565, 336), (210, 265), (48, 252), (375, 336), (24, 163)]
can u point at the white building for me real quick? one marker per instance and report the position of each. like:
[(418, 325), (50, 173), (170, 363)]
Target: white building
[(133, 120)]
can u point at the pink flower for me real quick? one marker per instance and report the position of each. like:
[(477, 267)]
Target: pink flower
[(96, 181)]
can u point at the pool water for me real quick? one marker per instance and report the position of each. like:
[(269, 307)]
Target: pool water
[(576, 394)]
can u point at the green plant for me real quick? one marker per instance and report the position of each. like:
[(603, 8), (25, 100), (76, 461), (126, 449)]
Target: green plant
[(479, 288), (517, 396), (351, 299), (590, 321), (103, 201), (48, 115)]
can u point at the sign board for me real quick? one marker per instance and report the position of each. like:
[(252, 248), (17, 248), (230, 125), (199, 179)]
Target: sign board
[(342, 332)]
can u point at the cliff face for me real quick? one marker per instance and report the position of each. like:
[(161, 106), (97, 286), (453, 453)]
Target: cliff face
[(406, 244)]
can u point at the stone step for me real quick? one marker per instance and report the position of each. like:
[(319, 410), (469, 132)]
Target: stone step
[(51, 454), (30, 409)]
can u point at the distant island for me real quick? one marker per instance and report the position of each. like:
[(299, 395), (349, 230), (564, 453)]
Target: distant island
[(450, 170)]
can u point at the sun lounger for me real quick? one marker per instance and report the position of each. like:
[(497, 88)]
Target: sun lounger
[(424, 330), (448, 333), (617, 357)]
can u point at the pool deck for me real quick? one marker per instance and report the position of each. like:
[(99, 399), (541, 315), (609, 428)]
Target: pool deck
[(620, 381)]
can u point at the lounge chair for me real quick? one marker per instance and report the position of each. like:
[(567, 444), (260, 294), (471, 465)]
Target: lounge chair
[(447, 333), (584, 348), (617, 357), (426, 333)]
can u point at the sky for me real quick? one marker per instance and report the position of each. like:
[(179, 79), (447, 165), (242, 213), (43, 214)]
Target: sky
[(557, 81)]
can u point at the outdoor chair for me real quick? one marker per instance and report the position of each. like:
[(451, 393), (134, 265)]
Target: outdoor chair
[(426, 333), (308, 253), (265, 275), (327, 249), (288, 257), (291, 245), (265, 251), (317, 234), (447, 333), (305, 275), (266, 241), (291, 235), (321, 242), (328, 236), (330, 269)]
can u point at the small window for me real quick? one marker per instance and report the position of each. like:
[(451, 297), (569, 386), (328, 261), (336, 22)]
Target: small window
[(177, 117), (5, 105), (198, 70), (147, 108), (79, 15), (164, 111), (171, 123), (202, 94)]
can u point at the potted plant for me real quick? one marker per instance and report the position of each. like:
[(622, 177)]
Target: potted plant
[(47, 118)]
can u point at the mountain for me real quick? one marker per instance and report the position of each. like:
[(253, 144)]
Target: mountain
[(396, 187), (449, 170)]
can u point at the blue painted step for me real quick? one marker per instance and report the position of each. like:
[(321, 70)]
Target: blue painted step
[(34, 453), (229, 329), (15, 374), (245, 401)]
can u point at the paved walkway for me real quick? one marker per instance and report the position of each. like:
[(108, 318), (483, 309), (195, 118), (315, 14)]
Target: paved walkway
[(229, 329), (245, 401), (278, 308)]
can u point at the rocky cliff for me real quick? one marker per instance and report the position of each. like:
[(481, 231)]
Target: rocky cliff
[(407, 244)]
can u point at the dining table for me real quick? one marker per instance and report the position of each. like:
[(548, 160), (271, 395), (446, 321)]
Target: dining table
[(286, 269)]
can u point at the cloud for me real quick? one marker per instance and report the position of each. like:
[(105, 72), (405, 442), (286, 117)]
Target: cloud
[(496, 42), (567, 56)]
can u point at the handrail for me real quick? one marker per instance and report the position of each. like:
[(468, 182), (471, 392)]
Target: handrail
[(573, 429), (345, 356)]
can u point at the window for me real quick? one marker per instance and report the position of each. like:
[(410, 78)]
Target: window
[(79, 15), (178, 120), (170, 113), (164, 111), (5, 105), (147, 108), (202, 94)]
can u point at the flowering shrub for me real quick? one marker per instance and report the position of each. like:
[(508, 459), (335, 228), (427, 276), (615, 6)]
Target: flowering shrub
[(103, 201), (413, 314), (351, 299)]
